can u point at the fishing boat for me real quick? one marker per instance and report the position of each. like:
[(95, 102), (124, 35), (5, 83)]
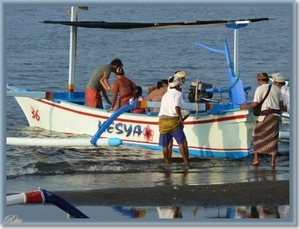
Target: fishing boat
[(215, 128)]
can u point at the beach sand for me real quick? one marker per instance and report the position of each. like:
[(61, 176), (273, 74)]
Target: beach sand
[(247, 193)]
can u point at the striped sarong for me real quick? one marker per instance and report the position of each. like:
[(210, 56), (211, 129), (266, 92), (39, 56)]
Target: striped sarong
[(266, 135)]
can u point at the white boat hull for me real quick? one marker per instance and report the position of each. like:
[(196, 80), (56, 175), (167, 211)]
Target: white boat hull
[(210, 135)]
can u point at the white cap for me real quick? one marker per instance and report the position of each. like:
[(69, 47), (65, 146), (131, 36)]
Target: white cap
[(278, 77), (179, 74), (174, 81)]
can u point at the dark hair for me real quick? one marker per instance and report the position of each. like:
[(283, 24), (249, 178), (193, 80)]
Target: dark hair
[(137, 91), (116, 62), (264, 75), (120, 71), (164, 82), (158, 84)]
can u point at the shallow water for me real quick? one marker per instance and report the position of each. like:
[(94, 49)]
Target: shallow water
[(37, 58)]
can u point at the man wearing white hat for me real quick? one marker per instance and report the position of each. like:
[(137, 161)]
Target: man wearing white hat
[(171, 121), (181, 75), (279, 81)]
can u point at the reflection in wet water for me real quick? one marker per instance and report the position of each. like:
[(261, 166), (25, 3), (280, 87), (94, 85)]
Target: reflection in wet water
[(45, 214), (233, 212), (169, 212), (130, 212)]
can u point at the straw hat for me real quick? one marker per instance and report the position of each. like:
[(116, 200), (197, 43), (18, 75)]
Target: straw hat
[(179, 74)]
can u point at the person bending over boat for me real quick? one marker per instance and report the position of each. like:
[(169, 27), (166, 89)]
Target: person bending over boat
[(171, 121), (266, 130), (138, 96), (279, 81), (123, 87), (98, 84), (157, 94)]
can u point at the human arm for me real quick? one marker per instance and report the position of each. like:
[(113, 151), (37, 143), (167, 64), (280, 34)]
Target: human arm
[(104, 93), (178, 112), (115, 95), (133, 85), (248, 106), (257, 98), (148, 99), (282, 106), (104, 81)]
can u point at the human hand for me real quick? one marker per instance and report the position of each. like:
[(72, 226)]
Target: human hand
[(185, 117), (181, 119), (243, 106)]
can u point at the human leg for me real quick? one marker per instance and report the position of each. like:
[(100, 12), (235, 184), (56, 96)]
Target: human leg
[(273, 160), (182, 143), (166, 155), (255, 159), (183, 152), (164, 140), (187, 149), (170, 147)]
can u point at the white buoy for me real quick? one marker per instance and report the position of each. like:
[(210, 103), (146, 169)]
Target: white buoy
[(54, 142)]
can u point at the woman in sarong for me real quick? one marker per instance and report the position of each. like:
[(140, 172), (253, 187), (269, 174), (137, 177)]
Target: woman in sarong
[(123, 87), (266, 130)]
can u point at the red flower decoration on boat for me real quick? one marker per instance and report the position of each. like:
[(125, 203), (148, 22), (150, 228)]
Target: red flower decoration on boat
[(148, 134)]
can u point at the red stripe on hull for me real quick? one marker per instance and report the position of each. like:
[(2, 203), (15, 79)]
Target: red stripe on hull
[(223, 119)]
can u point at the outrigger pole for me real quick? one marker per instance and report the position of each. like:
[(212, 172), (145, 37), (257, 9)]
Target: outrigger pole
[(41, 196)]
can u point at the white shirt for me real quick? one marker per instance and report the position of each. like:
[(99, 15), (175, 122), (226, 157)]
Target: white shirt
[(171, 99), (166, 212), (140, 98), (285, 91), (272, 101), (182, 90)]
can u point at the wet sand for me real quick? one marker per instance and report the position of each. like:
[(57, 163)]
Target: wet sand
[(248, 193)]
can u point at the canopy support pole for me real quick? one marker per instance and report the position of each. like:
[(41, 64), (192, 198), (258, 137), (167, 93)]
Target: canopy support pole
[(73, 44), (236, 52)]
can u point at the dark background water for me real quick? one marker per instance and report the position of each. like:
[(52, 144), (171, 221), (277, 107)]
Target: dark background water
[(37, 57)]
